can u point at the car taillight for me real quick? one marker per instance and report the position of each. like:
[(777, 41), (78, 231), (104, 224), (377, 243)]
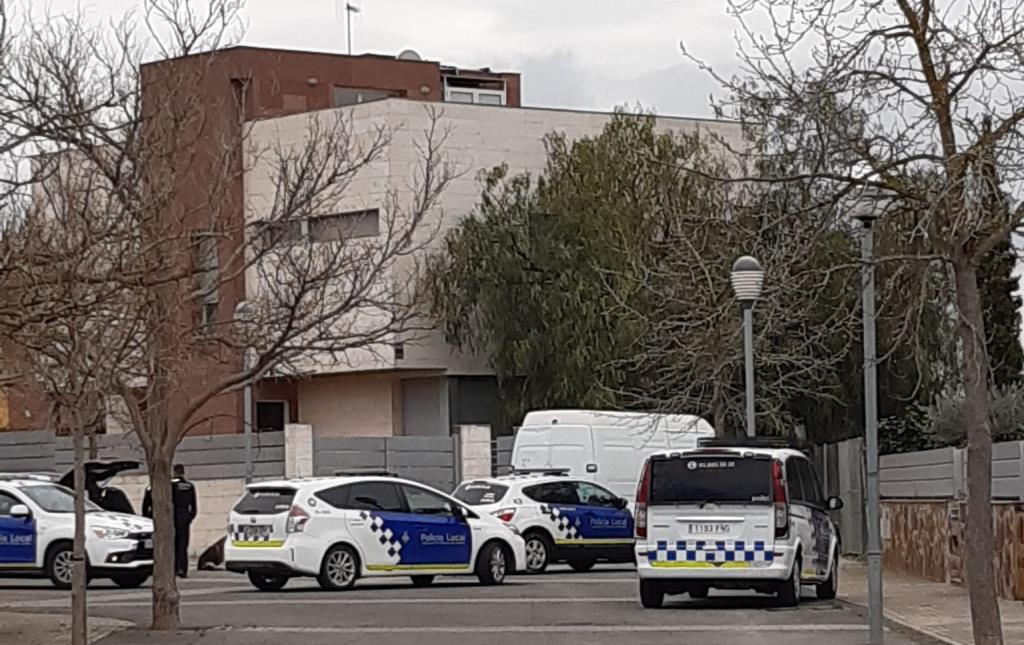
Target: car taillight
[(505, 514), (642, 495), (780, 499), (297, 519)]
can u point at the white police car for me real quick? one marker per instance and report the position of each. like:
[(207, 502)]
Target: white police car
[(560, 518), (338, 529), (37, 526), (731, 516)]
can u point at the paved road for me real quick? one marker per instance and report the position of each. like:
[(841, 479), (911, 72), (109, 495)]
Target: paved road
[(557, 608)]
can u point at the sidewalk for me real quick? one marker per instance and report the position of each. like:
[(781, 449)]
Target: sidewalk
[(48, 629), (938, 610)]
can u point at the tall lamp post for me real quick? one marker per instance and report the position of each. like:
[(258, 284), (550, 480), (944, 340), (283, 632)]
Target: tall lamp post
[(243, 315), (866, 212), (747, 278)]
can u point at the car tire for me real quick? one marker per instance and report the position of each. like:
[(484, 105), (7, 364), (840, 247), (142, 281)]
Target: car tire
[(267, 581), (789, 592), (492, 564), (132, 580), (422, 581), (829, 589), (59, 566), (538, 551), (339, 569), (698, 593), (582, 564), (652, 596)]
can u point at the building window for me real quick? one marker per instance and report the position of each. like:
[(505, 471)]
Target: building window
[(399, 351), (460, 97), (487, 98), (207, 266), (286, 233), (345, 226), (354, 96)]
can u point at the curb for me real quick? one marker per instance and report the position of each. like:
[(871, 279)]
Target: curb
[(898, 623)]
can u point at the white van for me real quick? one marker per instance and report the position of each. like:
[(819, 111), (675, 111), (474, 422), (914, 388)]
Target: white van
[(608, 448)]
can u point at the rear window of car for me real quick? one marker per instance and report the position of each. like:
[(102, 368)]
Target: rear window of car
[(480, 493), (719, 480), (265, 501)]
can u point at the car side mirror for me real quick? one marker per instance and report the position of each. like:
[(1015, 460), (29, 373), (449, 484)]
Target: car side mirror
[(834, 503), (20, 510)]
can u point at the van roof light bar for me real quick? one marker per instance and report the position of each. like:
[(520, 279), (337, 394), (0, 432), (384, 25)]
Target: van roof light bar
[(752, 442)]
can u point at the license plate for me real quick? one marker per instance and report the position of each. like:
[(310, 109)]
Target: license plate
[(147, 544), (256, 532), (709, 529)]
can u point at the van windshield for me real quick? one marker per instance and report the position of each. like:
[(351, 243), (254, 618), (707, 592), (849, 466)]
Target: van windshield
[(707, 479), (480, 493)]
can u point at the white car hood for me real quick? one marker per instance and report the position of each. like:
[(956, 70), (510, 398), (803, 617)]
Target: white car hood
[(134, 523)]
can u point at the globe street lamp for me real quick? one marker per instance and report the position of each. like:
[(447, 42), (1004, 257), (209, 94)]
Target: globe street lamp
[(747, 278)]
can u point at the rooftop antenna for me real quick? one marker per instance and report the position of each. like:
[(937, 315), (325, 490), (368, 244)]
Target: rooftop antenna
[(349, 10)]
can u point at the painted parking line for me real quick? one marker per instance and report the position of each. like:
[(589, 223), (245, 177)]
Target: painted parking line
[(545, 629), (302, 600)]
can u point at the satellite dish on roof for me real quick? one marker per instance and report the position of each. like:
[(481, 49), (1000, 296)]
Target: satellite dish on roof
[(409, 54)]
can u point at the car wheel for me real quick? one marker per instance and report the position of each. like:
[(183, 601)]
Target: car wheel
[(698, 593), (789, 592), (582, 564), (492, 564), (828, 590), (267, 581), (422, 581), (538, 552), (652, 596), (132, 580), (339, 569), (60, 566)]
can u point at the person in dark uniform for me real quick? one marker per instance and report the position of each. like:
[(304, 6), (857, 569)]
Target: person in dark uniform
[(183, 498)]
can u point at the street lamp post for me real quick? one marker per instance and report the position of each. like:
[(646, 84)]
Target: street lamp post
[(865, 211), (747, 278), (242, 315)]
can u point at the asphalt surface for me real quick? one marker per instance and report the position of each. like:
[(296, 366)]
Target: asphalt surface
[(560, 607)]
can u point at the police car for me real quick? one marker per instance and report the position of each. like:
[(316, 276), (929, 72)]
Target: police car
[(731, 516), (338, 529), (561, 518), (37, 526)]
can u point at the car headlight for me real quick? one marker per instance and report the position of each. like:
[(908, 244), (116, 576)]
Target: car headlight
[(110, 533)]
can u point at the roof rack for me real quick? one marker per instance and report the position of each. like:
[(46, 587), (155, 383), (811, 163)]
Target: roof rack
[(563, 472), (364, 472), (752, 442)]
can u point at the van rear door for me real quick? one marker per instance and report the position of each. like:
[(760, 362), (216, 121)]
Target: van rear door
[(711, 510), (554, 446)]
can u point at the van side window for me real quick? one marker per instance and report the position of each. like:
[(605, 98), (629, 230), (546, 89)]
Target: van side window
[(812, 489), (794, 483), (553, 493)]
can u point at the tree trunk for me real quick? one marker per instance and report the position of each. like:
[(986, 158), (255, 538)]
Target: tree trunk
[(165, 589), (981, 580), (79, 577)]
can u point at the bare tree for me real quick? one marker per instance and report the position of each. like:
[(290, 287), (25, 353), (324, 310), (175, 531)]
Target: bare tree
[(912, 97), (167, 188)]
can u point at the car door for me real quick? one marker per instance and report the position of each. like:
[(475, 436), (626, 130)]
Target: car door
[(820, 523), (560, 511), (440, 540), (607, 524), (17, 535), (379, 524), (800, 514)]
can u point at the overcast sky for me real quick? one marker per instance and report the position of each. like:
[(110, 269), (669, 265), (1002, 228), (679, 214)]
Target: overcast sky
[(587, 54)]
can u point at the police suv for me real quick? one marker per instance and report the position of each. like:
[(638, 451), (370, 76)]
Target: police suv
[(37, 526), (731, 516), (338, 529), (561, 518)]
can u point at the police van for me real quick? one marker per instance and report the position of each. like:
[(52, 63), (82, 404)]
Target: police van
[(561, 518), (338, 529), (731, 516), (37, 526)]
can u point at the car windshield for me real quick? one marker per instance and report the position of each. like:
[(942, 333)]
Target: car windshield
[(56, 499), (717, 480), (479, 493)]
